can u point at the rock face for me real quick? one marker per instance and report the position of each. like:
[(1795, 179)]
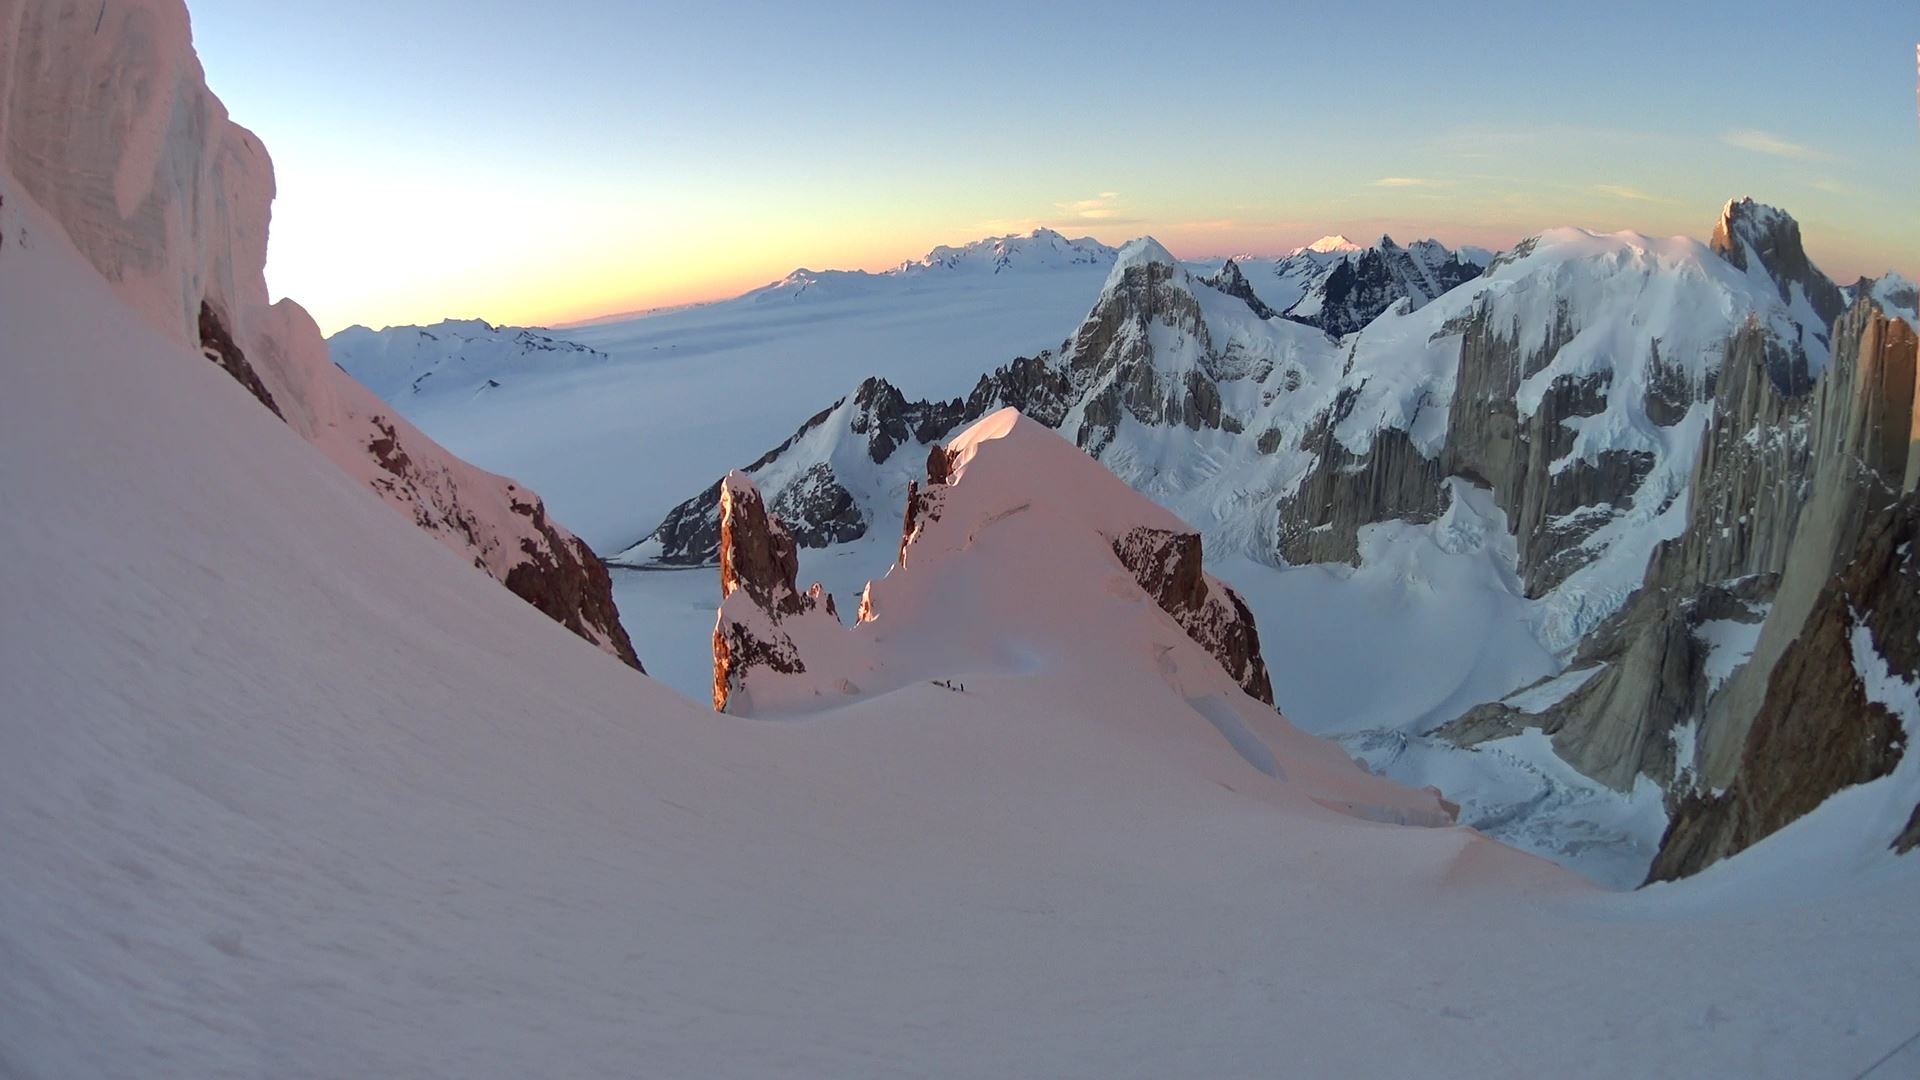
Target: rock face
[(219, 347), (1819, 728), (758, 561), (111, 128), (1167, 565), (1359, 288), (1736, 667), (1234, 283), (1753, 236)]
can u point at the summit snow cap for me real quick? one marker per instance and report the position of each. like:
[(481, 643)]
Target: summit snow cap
[(1145, 251)]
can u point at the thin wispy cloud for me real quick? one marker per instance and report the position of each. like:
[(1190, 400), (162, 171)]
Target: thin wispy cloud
[(1099, 208), (1766, 142), (1634, 194), (1403, 181)]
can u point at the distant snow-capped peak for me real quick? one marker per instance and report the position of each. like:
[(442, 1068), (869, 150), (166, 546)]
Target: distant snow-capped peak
[(1040, 249), (1327, 245)]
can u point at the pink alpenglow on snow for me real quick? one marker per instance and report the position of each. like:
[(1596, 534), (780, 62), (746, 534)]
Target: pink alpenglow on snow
[(1021, 582)]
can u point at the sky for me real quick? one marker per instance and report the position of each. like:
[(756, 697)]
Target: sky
[(548, 163)]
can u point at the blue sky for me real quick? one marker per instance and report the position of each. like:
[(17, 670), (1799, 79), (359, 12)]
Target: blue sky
[(540, 163)]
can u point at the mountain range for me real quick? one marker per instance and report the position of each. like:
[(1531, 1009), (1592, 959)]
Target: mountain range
[(1205, 648)]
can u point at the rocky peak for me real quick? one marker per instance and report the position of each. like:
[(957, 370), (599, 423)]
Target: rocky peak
[(1750, 232), (757, 554), (1234, 283), (1361, 285), (758, 563)]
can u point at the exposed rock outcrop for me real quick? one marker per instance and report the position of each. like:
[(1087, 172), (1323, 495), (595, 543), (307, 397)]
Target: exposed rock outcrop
[(1750, 233), (1231, 281), (758, 561), (1819, 728), (219, 347), (1168, 566)]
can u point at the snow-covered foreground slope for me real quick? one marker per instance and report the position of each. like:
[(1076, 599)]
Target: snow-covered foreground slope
[(289, 792)]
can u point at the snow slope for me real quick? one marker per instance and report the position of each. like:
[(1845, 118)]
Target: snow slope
[(289, 792)]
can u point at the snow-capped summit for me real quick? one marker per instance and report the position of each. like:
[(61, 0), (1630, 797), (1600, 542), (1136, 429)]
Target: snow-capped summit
[(1142, 251), (1893, 291), (1042, 249), (1361, 284), (1327, 245)]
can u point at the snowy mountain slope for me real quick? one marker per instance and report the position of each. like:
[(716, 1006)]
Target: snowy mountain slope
[(1360, 285), (664, 416), (290, 793), (111, 126), (1340, 286), (1041, 251), (458, 356), (1080, 534), (1575, 382), (1893, 291)]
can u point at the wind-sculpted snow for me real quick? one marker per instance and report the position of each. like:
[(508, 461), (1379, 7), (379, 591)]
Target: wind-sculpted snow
[(111, 128)]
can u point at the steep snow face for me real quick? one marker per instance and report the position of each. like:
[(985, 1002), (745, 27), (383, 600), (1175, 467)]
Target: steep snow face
[(110, 127), (458, 357)]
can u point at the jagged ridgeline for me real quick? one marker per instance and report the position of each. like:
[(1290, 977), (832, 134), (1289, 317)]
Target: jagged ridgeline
[(1677, 432)]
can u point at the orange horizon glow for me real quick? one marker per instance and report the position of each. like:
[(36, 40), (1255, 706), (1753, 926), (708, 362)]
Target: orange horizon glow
[(588, 291)]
